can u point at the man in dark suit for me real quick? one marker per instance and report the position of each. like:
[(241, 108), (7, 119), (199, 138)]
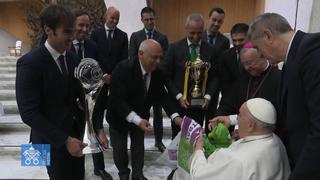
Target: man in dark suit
[(174, 66), (112, 43), (47, 94), (299, 99), (149, 32), (219, 42), (136, 85), (260, 79), (229, 62), (212, 34), (86, 48)]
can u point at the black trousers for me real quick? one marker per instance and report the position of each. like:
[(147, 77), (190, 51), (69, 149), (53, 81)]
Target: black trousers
[(120, 153), (98, 161), (157, 122), (197, 114), (63, 166)]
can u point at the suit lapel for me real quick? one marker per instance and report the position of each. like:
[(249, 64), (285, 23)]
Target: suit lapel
[(287, 68), (185, 50)]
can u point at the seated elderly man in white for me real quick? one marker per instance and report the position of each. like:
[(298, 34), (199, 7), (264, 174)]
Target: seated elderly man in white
[(257, 155)]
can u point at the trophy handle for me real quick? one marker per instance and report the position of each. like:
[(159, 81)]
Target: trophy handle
[(186, 79)]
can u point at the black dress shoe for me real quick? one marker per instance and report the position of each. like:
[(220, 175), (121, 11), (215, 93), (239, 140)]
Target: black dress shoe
[(103, 174), (161, 147), (139, 178)]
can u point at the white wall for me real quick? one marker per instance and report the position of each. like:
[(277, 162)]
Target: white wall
[(287, 8), (129, 14)]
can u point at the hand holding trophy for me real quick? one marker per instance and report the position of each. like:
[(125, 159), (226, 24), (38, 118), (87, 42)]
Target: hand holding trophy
[(90, 74)]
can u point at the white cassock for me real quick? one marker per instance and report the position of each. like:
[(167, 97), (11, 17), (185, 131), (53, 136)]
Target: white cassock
[(260, 157)]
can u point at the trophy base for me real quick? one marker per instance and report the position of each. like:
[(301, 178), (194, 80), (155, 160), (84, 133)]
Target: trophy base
[(196, 102)]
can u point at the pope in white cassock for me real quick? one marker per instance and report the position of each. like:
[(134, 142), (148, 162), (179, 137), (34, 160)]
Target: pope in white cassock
[(257, 155)]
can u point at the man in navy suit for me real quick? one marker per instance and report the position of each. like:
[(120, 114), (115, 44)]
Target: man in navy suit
[(149, 32), (86, 48), (136, 85), (47, 94), (212, 35), (112, 43), (299, 102)]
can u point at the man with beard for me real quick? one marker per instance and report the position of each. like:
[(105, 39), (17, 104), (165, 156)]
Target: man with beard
[(47, 94), (86, 48)]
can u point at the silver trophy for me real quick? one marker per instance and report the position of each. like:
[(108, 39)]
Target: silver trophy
[(89, 73)]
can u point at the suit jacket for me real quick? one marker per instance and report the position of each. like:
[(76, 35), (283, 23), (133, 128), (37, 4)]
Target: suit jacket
[(174, 67), (300, 104), (110, 53), (237, 94), (222, 42), (90, 49), (229, 69), (127, 94), (46, 100), (139, 36)]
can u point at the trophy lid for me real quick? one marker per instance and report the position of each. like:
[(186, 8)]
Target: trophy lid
[(89, 73)]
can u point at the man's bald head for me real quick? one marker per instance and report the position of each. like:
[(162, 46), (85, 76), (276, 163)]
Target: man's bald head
[(112, 17), (150, 54), (254, 63)]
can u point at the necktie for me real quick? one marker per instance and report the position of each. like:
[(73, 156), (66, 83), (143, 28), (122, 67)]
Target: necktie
[(80, 49), (211, 37), (62, 66), (145, 77), (149, 35), (240, 66), (193, 53), (110, 31)]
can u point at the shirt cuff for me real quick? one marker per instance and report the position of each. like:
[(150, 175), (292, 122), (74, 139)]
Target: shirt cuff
[(178, 96), (134, 118), (174, 115), (208, 97), (233, 119)]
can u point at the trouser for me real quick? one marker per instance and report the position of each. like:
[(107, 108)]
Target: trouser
[(120, 154), (157, 122)]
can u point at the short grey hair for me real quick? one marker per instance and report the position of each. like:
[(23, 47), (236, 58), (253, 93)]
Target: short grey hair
[(276, 23), (194, 17)]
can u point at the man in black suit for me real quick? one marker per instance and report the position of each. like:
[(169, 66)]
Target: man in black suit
[(86, 48), (47, 94), (212, 34), (112, 43), (260, 79), (174, 66), (136, 85), (219, 42), (149, 32), (299, 99), (229, 62)]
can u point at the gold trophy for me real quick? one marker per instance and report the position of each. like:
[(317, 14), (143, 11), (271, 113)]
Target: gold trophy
[(195, 82), (89, 73)]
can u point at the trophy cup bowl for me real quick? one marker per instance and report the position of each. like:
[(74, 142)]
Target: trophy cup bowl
[(89, 74), (196, 76)]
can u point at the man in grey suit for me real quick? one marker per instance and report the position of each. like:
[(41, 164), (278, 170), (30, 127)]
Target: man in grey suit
[(149, 32), (174, 67)]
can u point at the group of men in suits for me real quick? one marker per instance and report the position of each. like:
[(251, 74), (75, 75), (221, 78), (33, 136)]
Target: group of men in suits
[(50, 98)]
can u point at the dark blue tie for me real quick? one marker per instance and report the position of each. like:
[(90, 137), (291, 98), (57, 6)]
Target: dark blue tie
[(63, 66)]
